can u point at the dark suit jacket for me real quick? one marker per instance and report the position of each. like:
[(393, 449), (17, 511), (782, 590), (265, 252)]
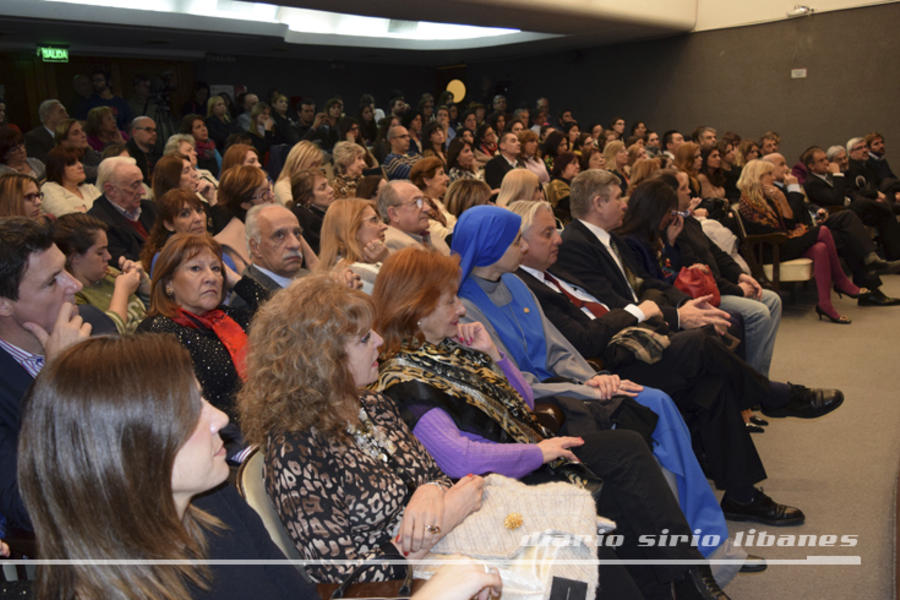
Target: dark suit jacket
[(589, 336), (819, 192), (584, 256), (145, 160), (38, 142), (124, 240), (14, 383), (494, 170)]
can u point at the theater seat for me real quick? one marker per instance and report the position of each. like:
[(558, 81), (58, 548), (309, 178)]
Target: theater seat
[(251, 485), (753, 249)]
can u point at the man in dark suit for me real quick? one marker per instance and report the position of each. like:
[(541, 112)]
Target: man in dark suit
[(605, 265), (276, 248), (130, 219), (504, 162), (40, 140), (38, 319), (142, 145), (696, 369)]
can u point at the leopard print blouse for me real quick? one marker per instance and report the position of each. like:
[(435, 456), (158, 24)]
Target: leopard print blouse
[(337, 501)]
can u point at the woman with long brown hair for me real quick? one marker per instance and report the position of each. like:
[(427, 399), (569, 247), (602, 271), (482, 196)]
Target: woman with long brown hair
[(352, 236), (111, 465)]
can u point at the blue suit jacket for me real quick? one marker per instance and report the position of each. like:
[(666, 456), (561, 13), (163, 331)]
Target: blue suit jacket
[(14, 383)]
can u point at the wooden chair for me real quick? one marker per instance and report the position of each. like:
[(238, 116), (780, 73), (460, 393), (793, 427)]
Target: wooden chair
[(754, 250)]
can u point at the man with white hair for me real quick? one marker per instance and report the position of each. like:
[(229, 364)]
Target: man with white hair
[(130, 219), (40, 140), (275, 239), (401, 205)]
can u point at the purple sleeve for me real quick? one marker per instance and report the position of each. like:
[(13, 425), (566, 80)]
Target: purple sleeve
[(514, 375), (459, 453)]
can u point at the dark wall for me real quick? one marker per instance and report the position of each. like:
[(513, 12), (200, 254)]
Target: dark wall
[(737, 79), (321, 79)]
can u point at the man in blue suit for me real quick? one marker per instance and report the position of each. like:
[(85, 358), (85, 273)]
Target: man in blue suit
[(38, 319)]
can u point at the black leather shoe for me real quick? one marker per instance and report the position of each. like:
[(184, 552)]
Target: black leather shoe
[(807, 404), (751, 428), (762, 509), (879, 266), (698, 584), (876, 298), (754, 564)]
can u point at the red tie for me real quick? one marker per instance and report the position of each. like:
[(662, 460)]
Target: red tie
[(597, 309)]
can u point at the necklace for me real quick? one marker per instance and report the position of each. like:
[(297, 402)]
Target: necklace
[(370, 439)]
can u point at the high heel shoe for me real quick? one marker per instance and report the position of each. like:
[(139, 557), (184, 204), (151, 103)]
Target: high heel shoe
[(841, 292), (840, 319)]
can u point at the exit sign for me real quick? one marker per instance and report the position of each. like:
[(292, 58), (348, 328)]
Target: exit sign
[(57, 55)]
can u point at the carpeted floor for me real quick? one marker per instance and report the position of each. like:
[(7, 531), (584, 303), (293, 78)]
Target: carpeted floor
[(841, 469)]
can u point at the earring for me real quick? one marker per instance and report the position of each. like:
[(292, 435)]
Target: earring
[(169, 291), (419, 323)]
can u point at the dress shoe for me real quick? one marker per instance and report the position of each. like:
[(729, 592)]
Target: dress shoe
[(699, 583), (879, 266), (877, 298), (762, 509), (754, 564), (751, 428), (806, 403)]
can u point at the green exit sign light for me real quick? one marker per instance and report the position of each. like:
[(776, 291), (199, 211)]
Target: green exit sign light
[(57, 55)]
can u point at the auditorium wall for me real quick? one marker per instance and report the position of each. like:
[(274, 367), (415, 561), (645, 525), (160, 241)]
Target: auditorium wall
[(733, 79)]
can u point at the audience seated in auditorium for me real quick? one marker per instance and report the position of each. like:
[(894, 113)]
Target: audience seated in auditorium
[(178, 211), (37, 321), (402, 206), (82, 238), (471, 407), (102, 129), (70, 135), (186, 300), (153, 455), (40, 140), (506, 160), (349, 163), (303, 156), (312, 195), (142, 145), (21, 197), (218, 122), (312, 351), (103, 97), (13, 156), (129, 218), (65, 190)]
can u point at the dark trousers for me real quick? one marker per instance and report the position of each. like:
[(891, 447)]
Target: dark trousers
[(879, 215), (853, 242), (710, 385)]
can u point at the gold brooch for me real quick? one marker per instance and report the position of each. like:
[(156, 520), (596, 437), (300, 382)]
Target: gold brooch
[(527, 310), (513, 521)]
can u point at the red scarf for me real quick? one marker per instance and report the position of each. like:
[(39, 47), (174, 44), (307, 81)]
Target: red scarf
[(206, 149), (229, 332)]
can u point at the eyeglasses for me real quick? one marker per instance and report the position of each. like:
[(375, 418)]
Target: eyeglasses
[(418, 202), (150, 129), (34, 196), (266, 193)]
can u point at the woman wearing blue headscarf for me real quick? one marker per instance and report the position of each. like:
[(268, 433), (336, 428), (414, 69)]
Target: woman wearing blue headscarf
[(487, 240)]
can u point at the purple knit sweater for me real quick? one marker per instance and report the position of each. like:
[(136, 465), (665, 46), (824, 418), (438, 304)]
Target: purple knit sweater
[(459, 453)]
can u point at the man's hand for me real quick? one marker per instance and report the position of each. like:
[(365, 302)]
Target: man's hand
[(650, 309), (834, 168), (68, 330), (699, 312), (755, 287), (789, 179)]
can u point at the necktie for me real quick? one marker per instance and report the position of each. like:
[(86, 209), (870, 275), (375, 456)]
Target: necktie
[(634, 282), (597, 309)]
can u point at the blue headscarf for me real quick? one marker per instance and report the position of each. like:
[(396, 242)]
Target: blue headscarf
[(482, 234), (481, 237)]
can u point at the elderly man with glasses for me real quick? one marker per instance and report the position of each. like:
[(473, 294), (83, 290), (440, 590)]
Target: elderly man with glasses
[(403, 208)]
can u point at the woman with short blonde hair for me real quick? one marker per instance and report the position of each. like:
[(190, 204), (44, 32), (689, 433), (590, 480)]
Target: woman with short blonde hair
[(519, 184)]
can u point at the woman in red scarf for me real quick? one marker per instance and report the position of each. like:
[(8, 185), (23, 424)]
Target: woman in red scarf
[(186, 300)]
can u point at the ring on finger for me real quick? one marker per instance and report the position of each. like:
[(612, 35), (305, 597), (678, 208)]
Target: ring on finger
[(433, 529)]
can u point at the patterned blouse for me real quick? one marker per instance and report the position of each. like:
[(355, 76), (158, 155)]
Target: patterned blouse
[(339, 502)]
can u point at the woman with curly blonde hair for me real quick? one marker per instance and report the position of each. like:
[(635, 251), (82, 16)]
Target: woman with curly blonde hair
[(364, 476), (519, 184)]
